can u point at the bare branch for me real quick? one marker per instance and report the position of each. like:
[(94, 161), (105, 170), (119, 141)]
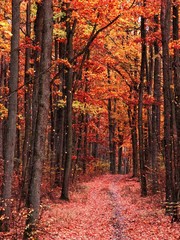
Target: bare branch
[(93, 36)]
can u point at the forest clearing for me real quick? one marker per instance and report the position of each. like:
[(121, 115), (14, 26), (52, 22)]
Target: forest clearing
[(89, 89)]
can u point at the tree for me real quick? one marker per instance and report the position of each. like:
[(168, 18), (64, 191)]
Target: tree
[(27, 107), (176, 68), (93, 111), (11, 121), (39, 134), (140, 110), (156, 114), (169, 117), (69, 98), (59, 116), (112, 148)]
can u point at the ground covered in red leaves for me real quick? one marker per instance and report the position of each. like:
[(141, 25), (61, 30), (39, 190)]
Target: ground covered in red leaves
[(107, 207)]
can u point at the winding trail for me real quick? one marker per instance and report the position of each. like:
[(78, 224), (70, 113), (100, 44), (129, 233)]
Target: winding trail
[(109, 207), (94, 213)]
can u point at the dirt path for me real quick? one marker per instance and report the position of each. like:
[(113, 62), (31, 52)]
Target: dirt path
[(93, 213), (107, 208), (118, 218)]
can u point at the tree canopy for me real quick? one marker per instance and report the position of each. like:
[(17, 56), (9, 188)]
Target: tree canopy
[(88, 87)]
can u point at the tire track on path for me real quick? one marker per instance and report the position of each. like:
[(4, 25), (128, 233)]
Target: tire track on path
[(117, 217), (94, 213)]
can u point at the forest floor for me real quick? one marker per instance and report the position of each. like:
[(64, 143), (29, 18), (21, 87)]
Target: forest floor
[(109, 207)]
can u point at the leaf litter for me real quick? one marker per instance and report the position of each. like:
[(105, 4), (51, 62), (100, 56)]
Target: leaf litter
[(109, 207)]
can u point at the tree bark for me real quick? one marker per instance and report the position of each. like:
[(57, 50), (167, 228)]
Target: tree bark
[(38, 29), (41, 122), (9, 150), (27, 109), (134, 139), (156, 115), (168, 107), (120, 171), (69, 98), (60, 120), (111, 132), (140, 111), (3, 72), (85, 147), (132, 115), (176, 68)]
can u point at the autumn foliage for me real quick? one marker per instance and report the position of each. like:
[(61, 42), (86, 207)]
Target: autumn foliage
[(95, 89)]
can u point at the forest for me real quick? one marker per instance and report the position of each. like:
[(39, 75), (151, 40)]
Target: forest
[(89, 114)]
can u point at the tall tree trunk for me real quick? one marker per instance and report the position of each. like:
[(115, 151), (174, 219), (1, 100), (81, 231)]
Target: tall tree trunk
[(134, 141), (3, 71), (85, 147), (176, 68), (38, 29), (168, 106), (27, 109), (59, 137), (132, 115), (60, 120), (140, 111), (9, 150), (18, 148), (41, 121), (149, 77), (111, 132), (156, 115), (120, 152), (69, 98), (53, 113), (80, 120), (51, 139), (1, 119), (114, 134), (95, 146)]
